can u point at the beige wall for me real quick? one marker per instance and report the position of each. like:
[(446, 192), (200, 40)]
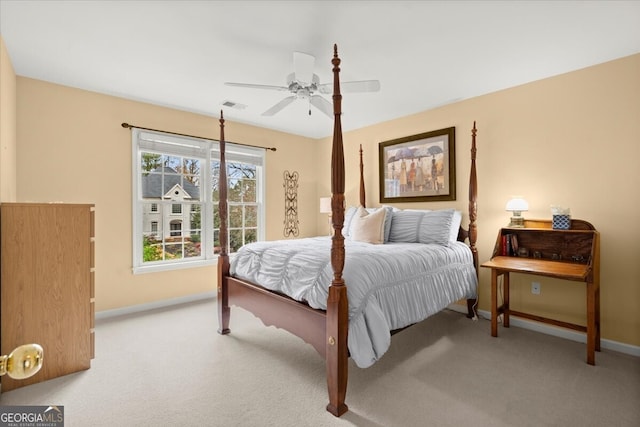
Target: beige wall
[(571, 140), (7, 127), (72, 148)]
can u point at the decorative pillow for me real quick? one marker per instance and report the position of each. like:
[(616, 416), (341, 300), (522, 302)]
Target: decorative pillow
[(368, 227), (393, 208), (425, 226), (348, 217), (436, 227), (387, 220), (455, 225), (405, 225), (350, 213)]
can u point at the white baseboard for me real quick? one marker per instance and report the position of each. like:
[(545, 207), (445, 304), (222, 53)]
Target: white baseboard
[(105, 314), (556, 331)]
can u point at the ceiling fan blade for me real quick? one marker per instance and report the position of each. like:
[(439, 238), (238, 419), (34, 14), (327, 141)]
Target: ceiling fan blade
[(357, 86), (279, 106), (303, 64), (252, 86), (322, 104)]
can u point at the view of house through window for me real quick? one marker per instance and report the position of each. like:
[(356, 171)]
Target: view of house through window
[(170, 232), (176, 192)]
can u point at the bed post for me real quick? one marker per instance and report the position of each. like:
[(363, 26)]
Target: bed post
[(473, 213), (223, 259), (337, 304), (363, 198)]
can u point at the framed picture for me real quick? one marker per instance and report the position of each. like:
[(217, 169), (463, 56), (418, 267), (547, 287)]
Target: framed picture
[(419, 168)]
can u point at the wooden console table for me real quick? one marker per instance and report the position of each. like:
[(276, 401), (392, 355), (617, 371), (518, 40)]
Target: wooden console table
[(572, 254)]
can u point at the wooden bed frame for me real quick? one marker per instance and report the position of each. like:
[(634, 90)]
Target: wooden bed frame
[(326, 330)]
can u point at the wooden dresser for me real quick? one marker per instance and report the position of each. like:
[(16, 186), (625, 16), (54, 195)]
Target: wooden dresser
[(47, 285)]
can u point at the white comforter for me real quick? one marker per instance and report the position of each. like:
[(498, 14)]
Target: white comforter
[(389, 286)]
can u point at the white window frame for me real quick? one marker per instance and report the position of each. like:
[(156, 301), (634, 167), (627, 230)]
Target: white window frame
[(207, 151)]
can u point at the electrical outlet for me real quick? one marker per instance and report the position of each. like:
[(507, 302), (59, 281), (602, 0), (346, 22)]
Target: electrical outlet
[(535, 288)]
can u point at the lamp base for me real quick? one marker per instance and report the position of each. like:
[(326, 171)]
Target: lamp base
[(516, 222)]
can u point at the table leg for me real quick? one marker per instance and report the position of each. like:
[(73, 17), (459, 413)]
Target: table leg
[(505, 292), (597, 310), (494, 302), (591, 323)]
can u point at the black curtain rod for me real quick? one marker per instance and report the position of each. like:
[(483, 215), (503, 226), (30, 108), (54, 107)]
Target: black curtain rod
[(127, 125)]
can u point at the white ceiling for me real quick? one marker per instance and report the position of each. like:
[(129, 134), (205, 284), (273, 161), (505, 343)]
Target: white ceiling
[(424, 53)]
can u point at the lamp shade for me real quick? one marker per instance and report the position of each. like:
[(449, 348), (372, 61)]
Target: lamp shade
[(517, 204), (325, 204)]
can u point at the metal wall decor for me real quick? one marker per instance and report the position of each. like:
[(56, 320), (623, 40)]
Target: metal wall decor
[(291, 204)]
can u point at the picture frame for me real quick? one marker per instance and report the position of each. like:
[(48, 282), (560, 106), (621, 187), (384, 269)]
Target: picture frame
[(418, 168)]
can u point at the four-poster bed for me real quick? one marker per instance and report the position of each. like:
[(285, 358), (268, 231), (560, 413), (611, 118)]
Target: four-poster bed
[(327, 326)]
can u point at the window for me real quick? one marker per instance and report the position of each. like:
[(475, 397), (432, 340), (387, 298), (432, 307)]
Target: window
[(176, 228), (175, 206), (242, 203)]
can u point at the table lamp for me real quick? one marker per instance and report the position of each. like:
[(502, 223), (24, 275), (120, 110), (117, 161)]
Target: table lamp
[(516, 206)]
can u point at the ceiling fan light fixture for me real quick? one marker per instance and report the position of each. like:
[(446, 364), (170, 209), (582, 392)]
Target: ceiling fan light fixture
[(303, 84)]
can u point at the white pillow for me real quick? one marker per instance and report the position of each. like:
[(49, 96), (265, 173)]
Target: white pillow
[(393, 208), (425, 226), (350, 212), (405, 226), (348, 217), (455, 225), (368, 227), (387, 220), (435, 227)]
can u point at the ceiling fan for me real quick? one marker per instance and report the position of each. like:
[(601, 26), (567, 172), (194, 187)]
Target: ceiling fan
[(304, 84)]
